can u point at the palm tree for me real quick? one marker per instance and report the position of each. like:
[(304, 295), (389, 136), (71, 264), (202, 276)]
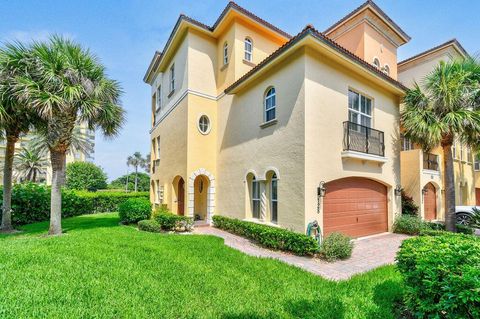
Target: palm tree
[(68, 85), (29, 163), (444, 109), (136, 160), (15, 118)]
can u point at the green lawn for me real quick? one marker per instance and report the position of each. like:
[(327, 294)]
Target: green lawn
[(102, 270)]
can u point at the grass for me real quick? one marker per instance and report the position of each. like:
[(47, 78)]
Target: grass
[(102, 270)]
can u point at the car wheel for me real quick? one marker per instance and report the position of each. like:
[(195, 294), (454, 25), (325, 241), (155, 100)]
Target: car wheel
[(463, 219)]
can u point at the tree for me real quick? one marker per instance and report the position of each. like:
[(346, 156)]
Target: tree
[(68, 85), (30, 163), (143, 184), (136, 160), (85, 176), (445, 108), (15, 117)]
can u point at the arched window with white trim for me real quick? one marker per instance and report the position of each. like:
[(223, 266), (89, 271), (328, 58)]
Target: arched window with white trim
[(386, 69), (274, 199), (270, 104), (376, 62), (225, 53), (248, 49)]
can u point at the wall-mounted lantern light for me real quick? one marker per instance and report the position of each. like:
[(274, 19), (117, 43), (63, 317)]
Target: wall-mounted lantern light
[(321, 191), (424, 191), (398, 190)]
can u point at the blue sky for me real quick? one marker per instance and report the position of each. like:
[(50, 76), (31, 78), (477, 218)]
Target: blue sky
[(125, 34)]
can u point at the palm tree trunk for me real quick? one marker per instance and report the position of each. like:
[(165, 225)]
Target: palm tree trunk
[(136, 178), (450, 218), (7, 183), (34, 177), (58, 159)]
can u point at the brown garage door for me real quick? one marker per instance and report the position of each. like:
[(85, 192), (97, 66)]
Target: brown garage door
[(355, 206), (430, 202)]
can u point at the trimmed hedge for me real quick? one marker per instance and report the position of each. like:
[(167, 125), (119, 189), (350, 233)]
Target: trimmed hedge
[(149, 225), (172, 222), (407, 224), (134, 210), (268, 236), (31, 202), (336, 246), (442, 275)]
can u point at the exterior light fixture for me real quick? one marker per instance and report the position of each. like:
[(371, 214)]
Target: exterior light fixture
[(321, 190), (398, 190), (424, 191)]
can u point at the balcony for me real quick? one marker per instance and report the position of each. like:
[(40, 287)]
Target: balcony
[(363, 142), (430, 162)]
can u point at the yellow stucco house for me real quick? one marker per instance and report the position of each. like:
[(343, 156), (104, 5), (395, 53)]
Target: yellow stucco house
[(422, 173), (253, 123)]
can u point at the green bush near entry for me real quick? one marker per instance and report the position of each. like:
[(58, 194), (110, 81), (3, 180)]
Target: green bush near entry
[(134, 210), (336, 246), (410, 225), (149, 225), (172, 222), (441, 275), (268, 236)]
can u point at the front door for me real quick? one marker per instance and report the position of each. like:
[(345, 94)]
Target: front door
[(181, 197), (430, 202)]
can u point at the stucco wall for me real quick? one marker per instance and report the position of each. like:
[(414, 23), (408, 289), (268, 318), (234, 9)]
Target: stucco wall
[(326, 108), (243, 146)]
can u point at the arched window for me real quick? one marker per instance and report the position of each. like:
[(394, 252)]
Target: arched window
[(225, 53), (376, 62), (386, 69), (274, 199), (248, 49), (255, 198), (270, 104)]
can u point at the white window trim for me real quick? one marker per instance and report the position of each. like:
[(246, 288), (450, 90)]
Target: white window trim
[(225, 53), (209, 128), (376, 59), (274, 107), (172, 78), (248, 55), (360, 108), (385, 68)]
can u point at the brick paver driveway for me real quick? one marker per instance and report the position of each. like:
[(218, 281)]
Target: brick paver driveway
[(368, 253)]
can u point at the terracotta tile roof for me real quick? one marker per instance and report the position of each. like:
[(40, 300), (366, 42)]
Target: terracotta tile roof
[(449, 42), (310, 30), (377, 8)]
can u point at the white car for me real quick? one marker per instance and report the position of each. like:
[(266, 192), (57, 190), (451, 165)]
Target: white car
[(464, 213)]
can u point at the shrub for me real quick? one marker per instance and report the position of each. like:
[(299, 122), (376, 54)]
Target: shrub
[(434, 225), (336, 246), (31, 202), (432, 232), (85, 176), (441, 275), (172, 222), (149, 225), (408, 205), (410, 225), (134, 210), (467, 230), (268, 236)]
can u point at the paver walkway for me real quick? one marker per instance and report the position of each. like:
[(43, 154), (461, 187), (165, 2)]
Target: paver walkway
[(368, 253)]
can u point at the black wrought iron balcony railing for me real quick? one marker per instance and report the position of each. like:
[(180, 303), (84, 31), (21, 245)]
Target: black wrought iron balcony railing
[(430, 161), (363, 139)]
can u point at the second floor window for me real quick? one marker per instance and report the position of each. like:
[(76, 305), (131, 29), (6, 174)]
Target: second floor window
[(476, 163), (158, 147), (407, 144), (248, 49), (359, 109), (225, 53), (172, 78), (159, 97), (376, 62), (270, 104), (386, 69)]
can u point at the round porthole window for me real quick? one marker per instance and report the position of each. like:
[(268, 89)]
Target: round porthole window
[(204, 124)]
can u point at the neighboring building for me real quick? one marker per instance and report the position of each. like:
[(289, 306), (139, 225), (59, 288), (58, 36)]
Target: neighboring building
[(250, 122), (423, 173), (46, 177)]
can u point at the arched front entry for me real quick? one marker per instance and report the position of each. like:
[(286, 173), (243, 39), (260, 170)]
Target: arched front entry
[(179, 187), (355, 206), (202, 202), (430, 202), (200, 197)]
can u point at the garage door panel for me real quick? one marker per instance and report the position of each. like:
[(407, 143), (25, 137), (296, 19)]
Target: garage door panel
[(355, 206)]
